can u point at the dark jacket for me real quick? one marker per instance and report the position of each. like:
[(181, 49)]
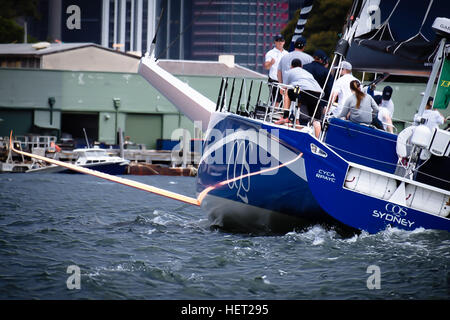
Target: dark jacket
[(320, 73)]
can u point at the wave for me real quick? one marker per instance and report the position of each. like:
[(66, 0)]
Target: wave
[(419, 238)]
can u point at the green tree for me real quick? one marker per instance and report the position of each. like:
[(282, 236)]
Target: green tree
[(10, 10), (325, 23)]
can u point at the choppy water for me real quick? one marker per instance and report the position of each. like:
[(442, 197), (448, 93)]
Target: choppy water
[(130, 244)]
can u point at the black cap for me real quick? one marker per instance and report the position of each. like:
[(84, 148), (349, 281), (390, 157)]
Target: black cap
[(387, 93), (278, 37), (300, 42), (320, 54)]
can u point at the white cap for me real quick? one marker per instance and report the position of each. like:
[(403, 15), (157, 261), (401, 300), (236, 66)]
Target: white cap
[(344, 65)]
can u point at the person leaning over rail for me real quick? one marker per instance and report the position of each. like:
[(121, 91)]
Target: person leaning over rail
[(309, 91), (359, 107), (320, 72), (272, 59)]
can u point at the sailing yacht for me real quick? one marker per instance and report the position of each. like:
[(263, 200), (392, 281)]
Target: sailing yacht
[(258, 176)]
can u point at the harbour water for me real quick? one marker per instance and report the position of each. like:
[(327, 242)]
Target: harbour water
[(128, 244)]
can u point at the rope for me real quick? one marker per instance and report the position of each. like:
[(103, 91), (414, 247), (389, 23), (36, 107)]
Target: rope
[(366, 133), (416, 170), (429, 175), (364, 157)]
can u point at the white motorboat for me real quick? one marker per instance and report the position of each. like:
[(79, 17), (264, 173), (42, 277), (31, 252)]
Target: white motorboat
[(92, 158)]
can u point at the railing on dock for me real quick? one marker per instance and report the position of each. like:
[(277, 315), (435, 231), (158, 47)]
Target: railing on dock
[(30, 143)]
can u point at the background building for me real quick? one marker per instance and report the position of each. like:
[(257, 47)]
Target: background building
[(66, 87), (189, 29), (244, 29)]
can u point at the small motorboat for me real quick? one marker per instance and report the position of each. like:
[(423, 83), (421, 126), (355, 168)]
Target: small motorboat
[(93, 158)]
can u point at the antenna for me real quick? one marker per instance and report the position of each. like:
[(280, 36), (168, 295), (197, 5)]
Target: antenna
[(85, 137)]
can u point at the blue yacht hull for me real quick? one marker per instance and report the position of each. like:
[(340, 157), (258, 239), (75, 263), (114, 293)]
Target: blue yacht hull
[(268, 178), (259, 179)]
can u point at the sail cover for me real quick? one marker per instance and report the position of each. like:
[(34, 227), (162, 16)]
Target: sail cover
[(395, 36)]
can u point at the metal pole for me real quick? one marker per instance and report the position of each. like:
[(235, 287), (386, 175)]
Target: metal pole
[(181, 51), (240, 95), (185, 148), (436, 66), (151, 16), (168, 31), (132, 35), (121, 143), (259, 92), (139, 26), (122, 23), (219, 97), (25, 32), (231, 95), (86, 137), (105, 23), (116, 7), (249, 96), (224, 94)]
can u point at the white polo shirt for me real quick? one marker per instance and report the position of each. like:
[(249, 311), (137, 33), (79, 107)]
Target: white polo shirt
[(383, 115), (276, 54), (388, 104), (433, 117), (342, 88)]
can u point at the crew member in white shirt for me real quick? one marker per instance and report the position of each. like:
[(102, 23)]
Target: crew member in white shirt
[(272, 59), (386, 100), (341, 88), (433, 118)]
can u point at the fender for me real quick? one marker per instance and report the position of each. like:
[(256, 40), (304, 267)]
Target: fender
[(402, 140)]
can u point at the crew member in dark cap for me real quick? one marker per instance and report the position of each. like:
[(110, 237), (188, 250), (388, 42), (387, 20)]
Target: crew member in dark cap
[(285, 62), (320, 72), (272, 59), (386, 100)]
